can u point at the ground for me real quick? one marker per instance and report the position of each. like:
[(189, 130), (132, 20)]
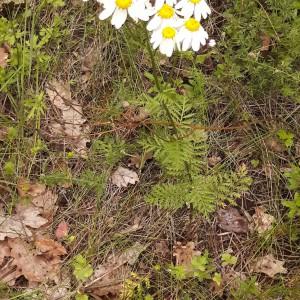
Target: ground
[(129, 175)]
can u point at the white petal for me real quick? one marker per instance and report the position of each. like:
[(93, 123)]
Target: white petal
[(154, 23), (119, 17), (108, 11), (188, 10), (196, 42), (180, 4), (186, 44), (133, 12)]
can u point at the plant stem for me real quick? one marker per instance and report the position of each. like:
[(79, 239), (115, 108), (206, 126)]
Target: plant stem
[(153, 62)]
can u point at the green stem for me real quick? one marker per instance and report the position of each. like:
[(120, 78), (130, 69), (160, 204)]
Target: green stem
[(156, 79), (153, 62)]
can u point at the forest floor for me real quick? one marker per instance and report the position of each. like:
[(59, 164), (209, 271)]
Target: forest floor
[(121, 178)]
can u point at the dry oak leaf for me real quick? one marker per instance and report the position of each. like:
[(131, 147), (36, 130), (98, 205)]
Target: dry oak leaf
[(42, 199), (122, 177), (231, 220), (71, 126), (30, 216), (262, 221), (12, 227), (269, 266), (185, 253), (50, 247), (35, 268)]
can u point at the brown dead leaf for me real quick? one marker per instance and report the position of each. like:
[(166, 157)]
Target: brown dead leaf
[(4, 54), (62, 230), (71, 125), (42, 200), (29, 189), (30, 216), (262, 221), (269, 266), (213, 160), (185, 253), (122, 177), (137, 160), (50, 247), (231, 220), (109, 277), (35, 268), (46, 202), (4, 251), (12, 227), (265, 42)]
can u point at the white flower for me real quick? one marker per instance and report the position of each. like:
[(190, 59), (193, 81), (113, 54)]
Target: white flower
[(212, 43), (166, 38), (192, 35), (165, 16), (198, 8), (119, 9)]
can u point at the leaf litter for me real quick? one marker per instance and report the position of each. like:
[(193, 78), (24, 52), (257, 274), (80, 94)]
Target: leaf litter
[(231, 220), (71, 127), (262, 221), (24, 250), (109, 277), (123, 176), (269, 266)]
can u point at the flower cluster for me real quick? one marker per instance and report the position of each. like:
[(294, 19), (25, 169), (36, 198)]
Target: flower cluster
[(174, 24)]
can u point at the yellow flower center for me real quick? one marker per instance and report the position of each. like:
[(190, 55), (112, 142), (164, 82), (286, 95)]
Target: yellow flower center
[(166, 12), (168, 32), (192, 24), (123, 4), (195, 1)]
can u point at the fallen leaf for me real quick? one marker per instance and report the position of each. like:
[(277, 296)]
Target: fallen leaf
[(29, 189), (231, 220), (71, 125), (30, 216), (4, 54), (213, 160), (122, 177), (4, 251), (46, 202), (35, 268), (50, 247), (109, 277), (62, 230), (265, 43), (269, 266), (138, 160), (185, 253), (11, 227), (262, 221), (42, 200)]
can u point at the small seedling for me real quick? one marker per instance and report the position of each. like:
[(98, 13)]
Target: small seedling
[(228, 259), (82, 270)]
